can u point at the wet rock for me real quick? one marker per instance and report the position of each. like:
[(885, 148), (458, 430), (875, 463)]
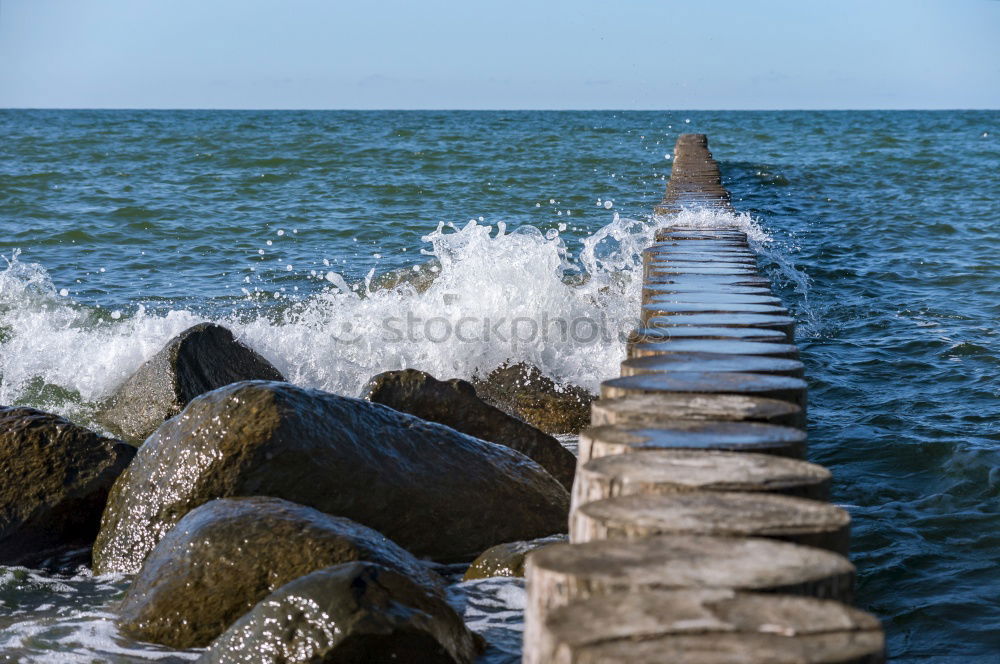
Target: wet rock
[(198, 360), (436, 492), (228, 554), (523, 391), (355, 613), (455, 404), (55, 482), (507, 559)]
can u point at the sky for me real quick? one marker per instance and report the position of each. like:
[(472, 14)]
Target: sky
[(507, 54)]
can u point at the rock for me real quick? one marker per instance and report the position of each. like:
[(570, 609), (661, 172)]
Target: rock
[(455, 404), (355, 613), (507, 559), (227, 555), (198, 360), (434, 491), (56, 478), (525, 392)]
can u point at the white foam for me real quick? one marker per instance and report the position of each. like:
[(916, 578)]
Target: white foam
[(69, 618), (562, 313)]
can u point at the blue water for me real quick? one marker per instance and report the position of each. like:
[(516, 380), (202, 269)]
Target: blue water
[(123, 227)]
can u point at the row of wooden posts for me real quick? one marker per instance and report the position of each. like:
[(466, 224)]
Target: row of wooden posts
[(697, 531)]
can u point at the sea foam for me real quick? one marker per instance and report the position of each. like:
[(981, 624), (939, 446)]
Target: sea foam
[(486, 295)]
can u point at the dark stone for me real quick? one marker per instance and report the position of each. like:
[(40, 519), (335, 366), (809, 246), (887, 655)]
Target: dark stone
[(507, 559), (56, 478), (198, 360), (227, 555), (523, 391), (435, 491), (355, 613), (455, 404)]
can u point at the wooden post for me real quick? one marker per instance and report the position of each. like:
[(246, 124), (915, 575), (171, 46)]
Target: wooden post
[(724, 513), (706, 626), (653, 409), (687, 362), (703, 382), (673, 471), (721, 346), (601, 441), (561, 573), (689, 476)]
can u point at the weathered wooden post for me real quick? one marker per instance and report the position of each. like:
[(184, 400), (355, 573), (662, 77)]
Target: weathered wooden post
[(693, 516), (673, 471), (718, 625)]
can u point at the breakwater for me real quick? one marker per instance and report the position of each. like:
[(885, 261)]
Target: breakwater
[(896, 335), (697, 531)]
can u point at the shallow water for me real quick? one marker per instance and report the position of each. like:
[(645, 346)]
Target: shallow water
[(878, 227)]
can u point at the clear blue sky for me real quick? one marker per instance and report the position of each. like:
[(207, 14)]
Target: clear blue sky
[(645, 54)]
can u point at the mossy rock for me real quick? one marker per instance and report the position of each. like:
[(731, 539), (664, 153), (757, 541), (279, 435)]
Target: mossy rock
[(56, 479), (198, 360), (455, 404), (225, 556), (507, 559), (523, 391), (355, 613)]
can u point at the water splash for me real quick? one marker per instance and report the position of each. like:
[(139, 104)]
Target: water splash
[(487, 295), (774, 257), (69, 619)]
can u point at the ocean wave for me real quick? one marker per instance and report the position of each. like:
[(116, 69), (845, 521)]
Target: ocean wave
[(486, 295)]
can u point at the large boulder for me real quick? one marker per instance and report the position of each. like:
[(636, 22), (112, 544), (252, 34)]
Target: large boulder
[(228, 554), (523, 391), (355, 613), (198, 360), (55, 482), (455, 404), (437, 492)]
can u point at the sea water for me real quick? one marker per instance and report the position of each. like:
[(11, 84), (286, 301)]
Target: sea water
[(343, 244)]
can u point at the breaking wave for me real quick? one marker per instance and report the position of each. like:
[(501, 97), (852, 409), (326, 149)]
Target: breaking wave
[(485, 295)]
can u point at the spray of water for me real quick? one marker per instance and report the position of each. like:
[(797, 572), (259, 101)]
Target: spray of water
[(491, 296)]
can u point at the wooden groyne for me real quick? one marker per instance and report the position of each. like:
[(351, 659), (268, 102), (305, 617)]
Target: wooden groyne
[(697, 531)]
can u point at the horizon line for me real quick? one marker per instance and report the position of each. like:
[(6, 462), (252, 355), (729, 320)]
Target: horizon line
[(487, 110)]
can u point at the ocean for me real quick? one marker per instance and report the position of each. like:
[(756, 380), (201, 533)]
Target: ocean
[(343, 244)]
